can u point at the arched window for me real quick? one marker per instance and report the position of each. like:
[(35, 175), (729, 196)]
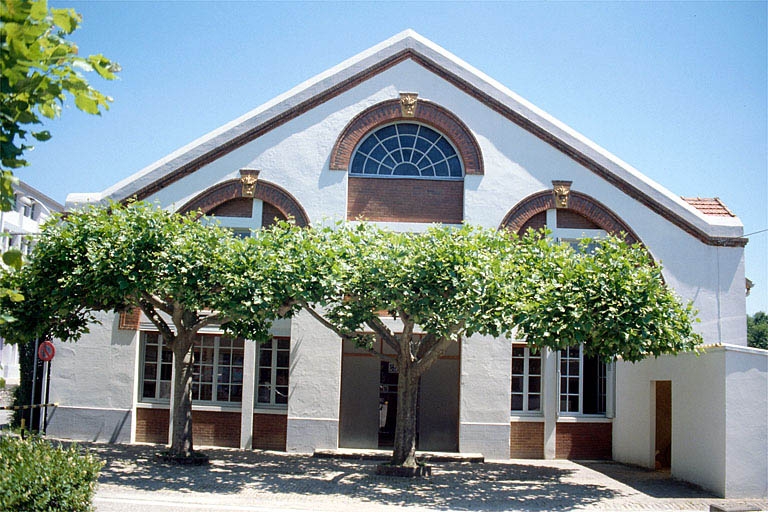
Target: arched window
[(407, 150)]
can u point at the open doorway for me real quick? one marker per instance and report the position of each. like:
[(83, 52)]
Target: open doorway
[(663, 438)]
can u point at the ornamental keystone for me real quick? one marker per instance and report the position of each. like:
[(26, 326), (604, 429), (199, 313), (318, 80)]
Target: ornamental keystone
[(408, 103), (248, 177), (561, 190)]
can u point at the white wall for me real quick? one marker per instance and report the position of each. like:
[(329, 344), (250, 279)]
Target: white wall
[(484, 396), (93, 380), (746, 420), (314, 387)]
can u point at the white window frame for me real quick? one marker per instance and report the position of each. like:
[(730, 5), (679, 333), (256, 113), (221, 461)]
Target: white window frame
[(605, 392), (240, 226), (217, 369), (272, 385), (526, 375)]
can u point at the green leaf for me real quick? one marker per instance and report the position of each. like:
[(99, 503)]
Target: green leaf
[(13, 258)]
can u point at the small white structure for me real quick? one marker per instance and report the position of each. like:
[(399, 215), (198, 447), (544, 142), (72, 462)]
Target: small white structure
[(407, 134), (18, 228)]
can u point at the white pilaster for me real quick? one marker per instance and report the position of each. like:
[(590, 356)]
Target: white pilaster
[(249, 385)]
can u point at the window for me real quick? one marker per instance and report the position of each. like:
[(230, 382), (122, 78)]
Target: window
[(406, 150), (526, 379), (217, 376), (26, 246), (582, 383), (274, 357)]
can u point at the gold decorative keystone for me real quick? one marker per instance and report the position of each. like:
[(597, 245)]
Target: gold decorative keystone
[(249, 177), (408, 103), (561, 191)]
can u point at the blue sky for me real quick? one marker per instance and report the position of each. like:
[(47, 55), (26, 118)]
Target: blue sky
[(676, 89)]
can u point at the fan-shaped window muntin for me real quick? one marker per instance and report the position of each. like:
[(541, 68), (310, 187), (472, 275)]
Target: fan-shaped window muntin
[(407, 150)]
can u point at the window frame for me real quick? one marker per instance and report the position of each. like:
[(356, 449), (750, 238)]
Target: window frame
[(275, 349), (526, 376), (442, 136), (602, 390)]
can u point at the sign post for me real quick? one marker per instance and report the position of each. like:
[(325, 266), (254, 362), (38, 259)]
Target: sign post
[(45, 352)]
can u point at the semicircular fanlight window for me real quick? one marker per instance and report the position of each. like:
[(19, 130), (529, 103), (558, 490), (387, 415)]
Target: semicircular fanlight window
[(407, 150)]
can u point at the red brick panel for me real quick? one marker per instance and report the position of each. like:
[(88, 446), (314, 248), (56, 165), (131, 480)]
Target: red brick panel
[(209, 428), (270, 431), (526, 440), (238, 207), (129, 320), (270, 215), (405, 200), (584, 441), (152, 426), (573, 220)]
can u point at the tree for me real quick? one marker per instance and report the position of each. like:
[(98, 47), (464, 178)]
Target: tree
[(38, 68), (757, 330), (183, 274), (448, 284)]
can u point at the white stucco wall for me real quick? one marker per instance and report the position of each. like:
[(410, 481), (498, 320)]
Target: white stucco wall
[(484, 394), (94, 381), (314, 387), (719, 413)]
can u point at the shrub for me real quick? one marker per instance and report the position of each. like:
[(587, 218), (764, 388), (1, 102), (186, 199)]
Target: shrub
[(36, 475)]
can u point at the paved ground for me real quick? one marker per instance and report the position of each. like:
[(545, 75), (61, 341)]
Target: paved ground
[(132, 480)]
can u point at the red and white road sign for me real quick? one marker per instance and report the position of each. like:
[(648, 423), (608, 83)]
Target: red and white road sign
[(46, 351)]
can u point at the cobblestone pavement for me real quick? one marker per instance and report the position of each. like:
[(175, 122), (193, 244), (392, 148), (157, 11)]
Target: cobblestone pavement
[(132, 480)]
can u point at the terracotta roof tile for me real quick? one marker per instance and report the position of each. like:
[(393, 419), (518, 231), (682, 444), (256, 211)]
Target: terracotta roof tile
[(709, 206)]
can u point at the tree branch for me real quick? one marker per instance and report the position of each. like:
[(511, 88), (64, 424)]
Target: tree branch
[(345, 335), (438, 349), (155, 317), (379, 328)]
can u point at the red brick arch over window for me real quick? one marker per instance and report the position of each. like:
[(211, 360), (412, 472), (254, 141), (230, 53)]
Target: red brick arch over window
[(233, 189), (427, 113), (579, 203)]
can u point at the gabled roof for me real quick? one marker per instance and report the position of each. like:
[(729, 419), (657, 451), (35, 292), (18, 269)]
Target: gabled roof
[(718, 230)]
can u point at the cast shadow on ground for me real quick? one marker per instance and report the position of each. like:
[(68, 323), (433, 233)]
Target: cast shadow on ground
[(657, 484), (456, 486)]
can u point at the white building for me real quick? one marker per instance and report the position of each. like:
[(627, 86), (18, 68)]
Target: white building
[(407, 134), (18, 228)]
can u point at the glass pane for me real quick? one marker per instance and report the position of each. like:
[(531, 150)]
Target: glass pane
[(517, 384), (237, 375), (206, 374), (265, 376), (534, 402), (518, 351), (150, 371), (284, 344), (236, 394), (237, 359), (534, 384), (150, 353), (165, 390), (222, 393), (224, 357), (282, 378), (265, 357), (167, 356), (563, 385), (206, 392), (573, 368), (281, 395), (263, 394), (517, 402), (151, 338), (517, 366), (573, 404), (149, 390), (534, 366), (165, 371), (282, 358), (206, 355), (573, 385)]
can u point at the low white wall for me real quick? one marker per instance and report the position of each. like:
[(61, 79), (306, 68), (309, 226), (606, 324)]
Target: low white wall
[(746, 422), (719, 418)]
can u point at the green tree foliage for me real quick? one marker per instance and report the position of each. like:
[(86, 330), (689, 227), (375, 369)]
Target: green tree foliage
[(757, 330), (183, 274), (38, 68), (448, 284)]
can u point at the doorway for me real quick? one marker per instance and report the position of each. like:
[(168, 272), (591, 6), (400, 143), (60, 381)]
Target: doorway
[(663, 434)]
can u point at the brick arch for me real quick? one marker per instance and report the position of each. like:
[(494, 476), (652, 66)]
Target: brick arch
[(427, 113), (579, 203), (268, 192)]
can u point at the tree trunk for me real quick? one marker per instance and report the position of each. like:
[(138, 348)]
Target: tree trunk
[(181, 418), (405, 430)]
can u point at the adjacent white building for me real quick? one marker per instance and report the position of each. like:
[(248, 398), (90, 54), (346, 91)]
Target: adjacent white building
[(18, 228), (407, 134)]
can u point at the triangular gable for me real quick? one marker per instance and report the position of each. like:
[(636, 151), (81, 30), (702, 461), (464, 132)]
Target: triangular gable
[(410, 45)]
